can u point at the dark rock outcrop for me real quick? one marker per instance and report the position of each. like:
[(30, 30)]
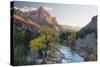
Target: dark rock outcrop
[(89, 28), (86, 43)]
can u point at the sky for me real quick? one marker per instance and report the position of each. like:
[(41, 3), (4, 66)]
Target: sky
[(66, 14)]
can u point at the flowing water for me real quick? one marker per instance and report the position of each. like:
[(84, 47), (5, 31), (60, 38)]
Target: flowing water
[(69, 55)]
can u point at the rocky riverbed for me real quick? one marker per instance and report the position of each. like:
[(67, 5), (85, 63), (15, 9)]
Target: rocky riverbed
[(61, 55), (70, 56)]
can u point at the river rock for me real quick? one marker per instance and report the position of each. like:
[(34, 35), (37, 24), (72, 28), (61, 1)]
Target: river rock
[(86, 46), (55, 57)]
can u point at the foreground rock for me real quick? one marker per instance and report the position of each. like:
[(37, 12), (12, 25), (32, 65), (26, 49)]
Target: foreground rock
[(55, 57), (52, 57), (86, 44), (87, 47)]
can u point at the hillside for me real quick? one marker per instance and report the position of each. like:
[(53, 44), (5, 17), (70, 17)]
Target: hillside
[(35, 18), (86, 43)]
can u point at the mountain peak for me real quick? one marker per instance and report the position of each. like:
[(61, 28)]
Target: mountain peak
[(39, 16), (40, 8), (91, 27), (94, 18), (43, 15), (93, 22)]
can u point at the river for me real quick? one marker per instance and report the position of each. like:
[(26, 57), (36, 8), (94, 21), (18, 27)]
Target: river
[(70, 56)]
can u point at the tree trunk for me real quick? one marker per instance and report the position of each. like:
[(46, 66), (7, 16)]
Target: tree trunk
[(45, 53)]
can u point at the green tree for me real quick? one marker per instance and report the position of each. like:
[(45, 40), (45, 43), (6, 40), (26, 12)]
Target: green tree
[(21, 39), (19, 56), (47, 40), (72, 38), (63, 36)]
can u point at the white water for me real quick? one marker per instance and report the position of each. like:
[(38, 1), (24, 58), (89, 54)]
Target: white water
[(69, 56)]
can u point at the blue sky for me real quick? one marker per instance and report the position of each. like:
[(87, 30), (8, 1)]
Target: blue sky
[(66, 14)]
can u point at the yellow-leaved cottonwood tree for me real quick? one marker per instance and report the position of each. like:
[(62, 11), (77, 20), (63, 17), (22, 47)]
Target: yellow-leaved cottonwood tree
[(48, 40)]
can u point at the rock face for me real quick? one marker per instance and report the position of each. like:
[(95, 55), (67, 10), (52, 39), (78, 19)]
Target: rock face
[(55, 57), (89, 28), (52, 58), (86, 44), (39, 17)]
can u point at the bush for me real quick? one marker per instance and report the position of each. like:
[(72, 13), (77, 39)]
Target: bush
[(20, 56)]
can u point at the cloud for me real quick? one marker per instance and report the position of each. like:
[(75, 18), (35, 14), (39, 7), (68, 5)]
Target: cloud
[(48, 8), (26, 9)]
